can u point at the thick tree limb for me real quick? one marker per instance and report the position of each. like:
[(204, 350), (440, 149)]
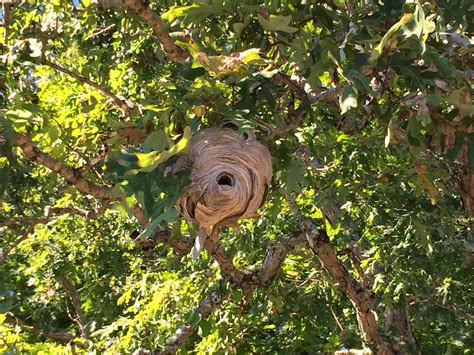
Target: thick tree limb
[(181, 245), (399, 319), (173, 52), (360, 297), (69, 174), (21, 221), (263, 277), (220, 255)]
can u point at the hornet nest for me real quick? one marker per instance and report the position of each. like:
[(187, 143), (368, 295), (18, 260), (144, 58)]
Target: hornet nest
[(230, 176)]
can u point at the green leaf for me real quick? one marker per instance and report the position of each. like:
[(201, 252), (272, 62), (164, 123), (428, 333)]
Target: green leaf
[(194, 319), (348, 99), (294, 177), (276, 23), (157, 140), (150, 161), (169, 216), (205, 327), (19, 118)]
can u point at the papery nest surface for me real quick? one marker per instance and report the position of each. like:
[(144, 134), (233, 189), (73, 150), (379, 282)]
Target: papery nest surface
[(229, 179)]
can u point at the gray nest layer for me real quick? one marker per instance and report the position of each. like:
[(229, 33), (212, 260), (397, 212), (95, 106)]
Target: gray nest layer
[(229, 179)]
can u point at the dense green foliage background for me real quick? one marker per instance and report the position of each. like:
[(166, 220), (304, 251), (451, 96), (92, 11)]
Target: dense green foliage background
[(365, 107)]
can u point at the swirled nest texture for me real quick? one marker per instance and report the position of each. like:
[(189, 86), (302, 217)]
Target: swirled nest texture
[(229, 179)]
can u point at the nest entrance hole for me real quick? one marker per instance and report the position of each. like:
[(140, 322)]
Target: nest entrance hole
[(225, 179)]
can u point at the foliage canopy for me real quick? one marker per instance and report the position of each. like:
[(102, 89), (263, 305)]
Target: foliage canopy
[(366, 234)]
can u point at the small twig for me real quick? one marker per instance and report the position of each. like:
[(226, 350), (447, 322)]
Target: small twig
[(94, 160), (118, 101), (105, 29), (334, 315), (292, 203), (8, 250)]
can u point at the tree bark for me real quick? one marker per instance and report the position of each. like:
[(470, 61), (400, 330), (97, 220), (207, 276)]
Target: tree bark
[(355, 291), (462, 177)]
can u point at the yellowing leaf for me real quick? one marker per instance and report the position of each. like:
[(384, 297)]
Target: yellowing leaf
[(277, 23), (176, 11), (389, 134), (404, 20), (219, 65), (199, 110)]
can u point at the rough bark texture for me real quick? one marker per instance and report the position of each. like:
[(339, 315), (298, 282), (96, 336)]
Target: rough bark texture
[(356, 292), (159, 27), (69, 174), (399, 319), (462, 177), (205, 308)]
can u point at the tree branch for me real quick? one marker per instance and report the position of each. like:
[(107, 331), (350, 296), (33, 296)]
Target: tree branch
[(76, 302), (205, 308), (8, 250), (121, 103), (94, 160), (263, 277), (6, 23), (275, 256), (360, 297), (304, 91), (173, 52), (220, 255), (61, 336), (50, 211), (69, 174)]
